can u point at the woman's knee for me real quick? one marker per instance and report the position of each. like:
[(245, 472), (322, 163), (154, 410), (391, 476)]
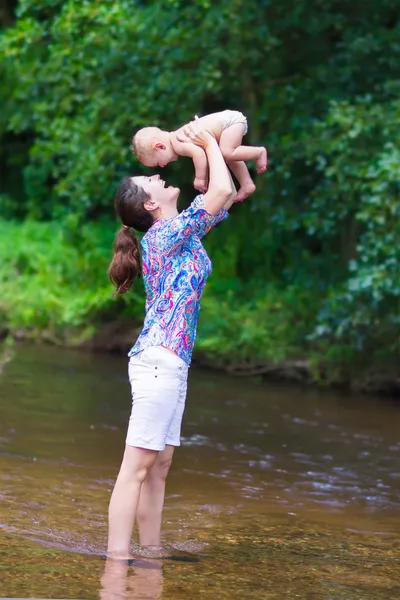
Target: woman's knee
[(137, 463), (161, 469)]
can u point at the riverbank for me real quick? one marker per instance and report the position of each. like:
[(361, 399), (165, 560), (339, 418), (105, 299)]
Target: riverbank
[(54, 289), (118, 336)]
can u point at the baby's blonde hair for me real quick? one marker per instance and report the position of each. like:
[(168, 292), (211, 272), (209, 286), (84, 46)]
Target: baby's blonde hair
[(142, 139)]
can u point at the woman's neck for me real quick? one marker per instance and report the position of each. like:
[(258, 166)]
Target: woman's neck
[(166, 213)]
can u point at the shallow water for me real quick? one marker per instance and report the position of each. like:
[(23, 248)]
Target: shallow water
[(278, 492)]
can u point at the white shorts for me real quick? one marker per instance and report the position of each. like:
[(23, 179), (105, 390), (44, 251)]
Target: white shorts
[(158, 380), (231, 117)]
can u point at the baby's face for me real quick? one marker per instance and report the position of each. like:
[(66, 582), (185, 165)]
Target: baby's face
[(159, 157)]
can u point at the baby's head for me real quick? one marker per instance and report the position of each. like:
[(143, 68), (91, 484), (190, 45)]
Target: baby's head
[(153, 147)]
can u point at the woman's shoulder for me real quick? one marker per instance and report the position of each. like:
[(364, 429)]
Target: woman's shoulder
[(160, 230), (197, 202)]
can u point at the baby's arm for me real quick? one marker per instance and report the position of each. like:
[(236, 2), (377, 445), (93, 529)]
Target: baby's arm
[(199, 158)]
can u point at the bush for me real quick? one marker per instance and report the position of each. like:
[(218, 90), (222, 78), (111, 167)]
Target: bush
[(55, 281)]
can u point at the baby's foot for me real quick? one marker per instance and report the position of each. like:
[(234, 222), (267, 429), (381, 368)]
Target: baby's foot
[(245, 190), (261, 162)]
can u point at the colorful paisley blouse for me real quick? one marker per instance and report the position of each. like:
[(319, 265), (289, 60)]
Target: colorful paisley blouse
[(175, 269)]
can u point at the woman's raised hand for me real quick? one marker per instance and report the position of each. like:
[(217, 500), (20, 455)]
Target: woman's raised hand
[(195, 134)]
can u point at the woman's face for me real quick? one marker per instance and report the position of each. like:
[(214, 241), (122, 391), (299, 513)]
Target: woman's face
[(155, 187)]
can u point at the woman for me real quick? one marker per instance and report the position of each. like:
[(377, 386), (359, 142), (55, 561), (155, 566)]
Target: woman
[(175, 269)]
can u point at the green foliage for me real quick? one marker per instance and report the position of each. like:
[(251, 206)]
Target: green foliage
[(363, 168), (271, 327), (54, 281), (313, 261)]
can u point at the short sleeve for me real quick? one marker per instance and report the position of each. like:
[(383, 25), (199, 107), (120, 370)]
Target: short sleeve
[(194, 220), (220, 216)]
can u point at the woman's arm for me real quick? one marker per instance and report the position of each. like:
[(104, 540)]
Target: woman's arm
[(219, 192)]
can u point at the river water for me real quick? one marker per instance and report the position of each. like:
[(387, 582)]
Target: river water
[(275, 493)]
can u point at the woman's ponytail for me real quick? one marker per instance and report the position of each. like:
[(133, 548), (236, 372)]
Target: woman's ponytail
[(126, 262), (129, 202)]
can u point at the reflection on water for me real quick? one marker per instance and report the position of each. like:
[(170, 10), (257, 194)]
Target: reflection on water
[(277, 491), (143, 581)]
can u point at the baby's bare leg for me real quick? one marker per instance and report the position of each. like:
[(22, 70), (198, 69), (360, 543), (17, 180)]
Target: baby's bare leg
[(242, 174), (232, 150)]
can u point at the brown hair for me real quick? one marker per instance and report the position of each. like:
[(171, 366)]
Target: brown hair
[(125, 265)]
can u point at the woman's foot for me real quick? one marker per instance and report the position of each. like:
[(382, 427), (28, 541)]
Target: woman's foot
[(245, 190), (160, 552), (261, 162), (120, 555), (153, 552)]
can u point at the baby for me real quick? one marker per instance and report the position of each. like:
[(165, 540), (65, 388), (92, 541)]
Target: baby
[(155, 147)]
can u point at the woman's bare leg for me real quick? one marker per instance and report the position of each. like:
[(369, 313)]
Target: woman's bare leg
[(135, 466), (241, 172), (151, 502), (232, 150)]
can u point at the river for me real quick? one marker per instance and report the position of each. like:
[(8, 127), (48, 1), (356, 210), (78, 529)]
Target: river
[(276, 492)]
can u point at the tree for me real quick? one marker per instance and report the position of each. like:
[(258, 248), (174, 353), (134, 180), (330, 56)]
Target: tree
[(319, 82)]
